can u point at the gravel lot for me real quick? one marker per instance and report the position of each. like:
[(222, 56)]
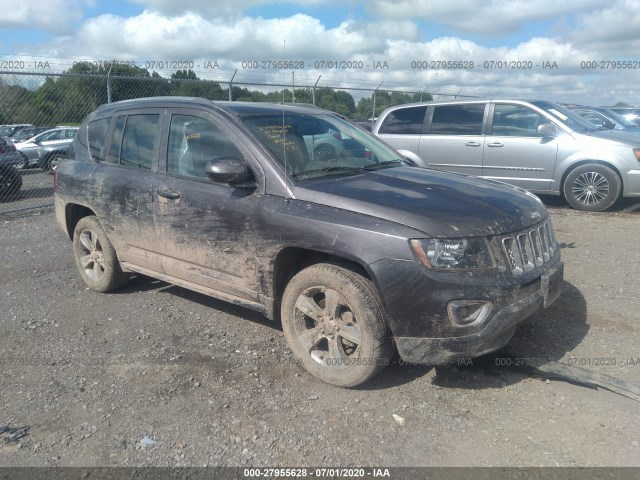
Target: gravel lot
[(36, 191), (99, 378)]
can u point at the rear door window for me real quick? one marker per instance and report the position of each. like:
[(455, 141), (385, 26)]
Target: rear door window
[(134, 139), (458, 119)]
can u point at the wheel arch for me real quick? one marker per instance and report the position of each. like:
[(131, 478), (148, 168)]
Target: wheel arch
[(291, 260), (45, 159), (73, 213)]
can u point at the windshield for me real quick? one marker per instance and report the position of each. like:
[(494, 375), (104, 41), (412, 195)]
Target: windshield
[(571, 119), (319, 145), (621, 120)]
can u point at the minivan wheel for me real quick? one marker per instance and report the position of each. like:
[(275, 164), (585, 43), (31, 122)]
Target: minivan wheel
[(592, 187), (335, 325), (96, 258)]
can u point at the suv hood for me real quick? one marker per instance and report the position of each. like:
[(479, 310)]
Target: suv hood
[(436, 203), (631, 137)]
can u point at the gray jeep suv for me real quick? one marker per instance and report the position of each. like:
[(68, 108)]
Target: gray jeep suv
[(356, 253), (537, 145)]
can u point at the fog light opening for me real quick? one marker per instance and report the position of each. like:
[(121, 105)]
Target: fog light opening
[(465, 313)]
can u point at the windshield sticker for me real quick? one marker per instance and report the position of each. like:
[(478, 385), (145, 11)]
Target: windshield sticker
[(277, 134), (561, 116)]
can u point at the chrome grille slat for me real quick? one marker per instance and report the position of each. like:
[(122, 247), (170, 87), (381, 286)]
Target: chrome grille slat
[(528, 250)]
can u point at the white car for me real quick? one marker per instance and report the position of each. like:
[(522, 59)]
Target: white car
[(45, 149)]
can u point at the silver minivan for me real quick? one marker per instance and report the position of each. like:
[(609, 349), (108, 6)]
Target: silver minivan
[(537, 145)]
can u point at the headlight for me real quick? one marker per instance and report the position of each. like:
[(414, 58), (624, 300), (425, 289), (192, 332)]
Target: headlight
[(453, 254), (636, 152)]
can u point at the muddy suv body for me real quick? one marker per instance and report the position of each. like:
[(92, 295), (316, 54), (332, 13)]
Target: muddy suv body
[(357, 255)]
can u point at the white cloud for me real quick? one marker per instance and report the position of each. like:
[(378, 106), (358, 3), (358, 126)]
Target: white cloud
[(221, 8), (153, 35), (55, 16), (485, 17), (612, 31)]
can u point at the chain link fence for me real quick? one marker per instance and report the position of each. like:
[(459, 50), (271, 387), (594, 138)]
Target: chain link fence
[(40, 113)]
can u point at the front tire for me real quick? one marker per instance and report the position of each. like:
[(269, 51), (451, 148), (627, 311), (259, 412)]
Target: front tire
[(335, 325), (23, 163), (592, 187), (96, 258)]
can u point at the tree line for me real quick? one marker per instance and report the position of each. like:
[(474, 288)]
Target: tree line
[(68, 99)]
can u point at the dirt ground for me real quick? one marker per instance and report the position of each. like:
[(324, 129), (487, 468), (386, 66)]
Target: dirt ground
[(155, 375)]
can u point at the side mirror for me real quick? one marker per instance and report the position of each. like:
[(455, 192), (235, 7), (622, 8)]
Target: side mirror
[(608, 124), (229, 170), (547, 130)]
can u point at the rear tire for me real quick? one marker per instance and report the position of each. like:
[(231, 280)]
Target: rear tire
[(96, 258), (52, 162), (10, 181), (335, 325), (592, 187)]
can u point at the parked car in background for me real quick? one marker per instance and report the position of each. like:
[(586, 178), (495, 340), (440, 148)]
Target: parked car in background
[(26, 133), (357, 254), (8, 153), (46, 149), (605, 118), (8, 130), (537, 145), (10, 181), (630, 113)]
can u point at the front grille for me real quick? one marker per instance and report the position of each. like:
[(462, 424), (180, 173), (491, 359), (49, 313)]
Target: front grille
[(531, 249)]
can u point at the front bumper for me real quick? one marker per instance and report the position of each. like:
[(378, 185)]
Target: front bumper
[(495, 334)]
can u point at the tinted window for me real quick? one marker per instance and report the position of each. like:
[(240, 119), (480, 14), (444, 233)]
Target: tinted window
[(296, 140), (457, 119), (515, 121), (51, 136), (138, 141), (70, 134), (116, 143), (407, 121), (97, 137), (193, 142)]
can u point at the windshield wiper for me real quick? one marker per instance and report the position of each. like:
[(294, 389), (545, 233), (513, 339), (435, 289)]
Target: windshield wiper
[(332, 170), (387, 163)]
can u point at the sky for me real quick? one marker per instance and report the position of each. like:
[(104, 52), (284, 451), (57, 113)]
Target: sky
[(572, 51)]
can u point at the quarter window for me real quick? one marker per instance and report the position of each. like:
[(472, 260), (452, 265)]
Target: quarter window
[(97, 137), (406, 121), (458, 119)]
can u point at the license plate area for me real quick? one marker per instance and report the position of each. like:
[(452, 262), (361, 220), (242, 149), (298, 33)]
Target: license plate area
[(551, 284)]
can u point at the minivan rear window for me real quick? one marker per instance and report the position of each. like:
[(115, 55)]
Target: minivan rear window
[(404, 121), (458, 119)]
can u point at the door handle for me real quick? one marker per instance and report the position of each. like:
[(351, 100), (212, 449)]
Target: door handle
[(472, 144), (495, 144), (168, 194)]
